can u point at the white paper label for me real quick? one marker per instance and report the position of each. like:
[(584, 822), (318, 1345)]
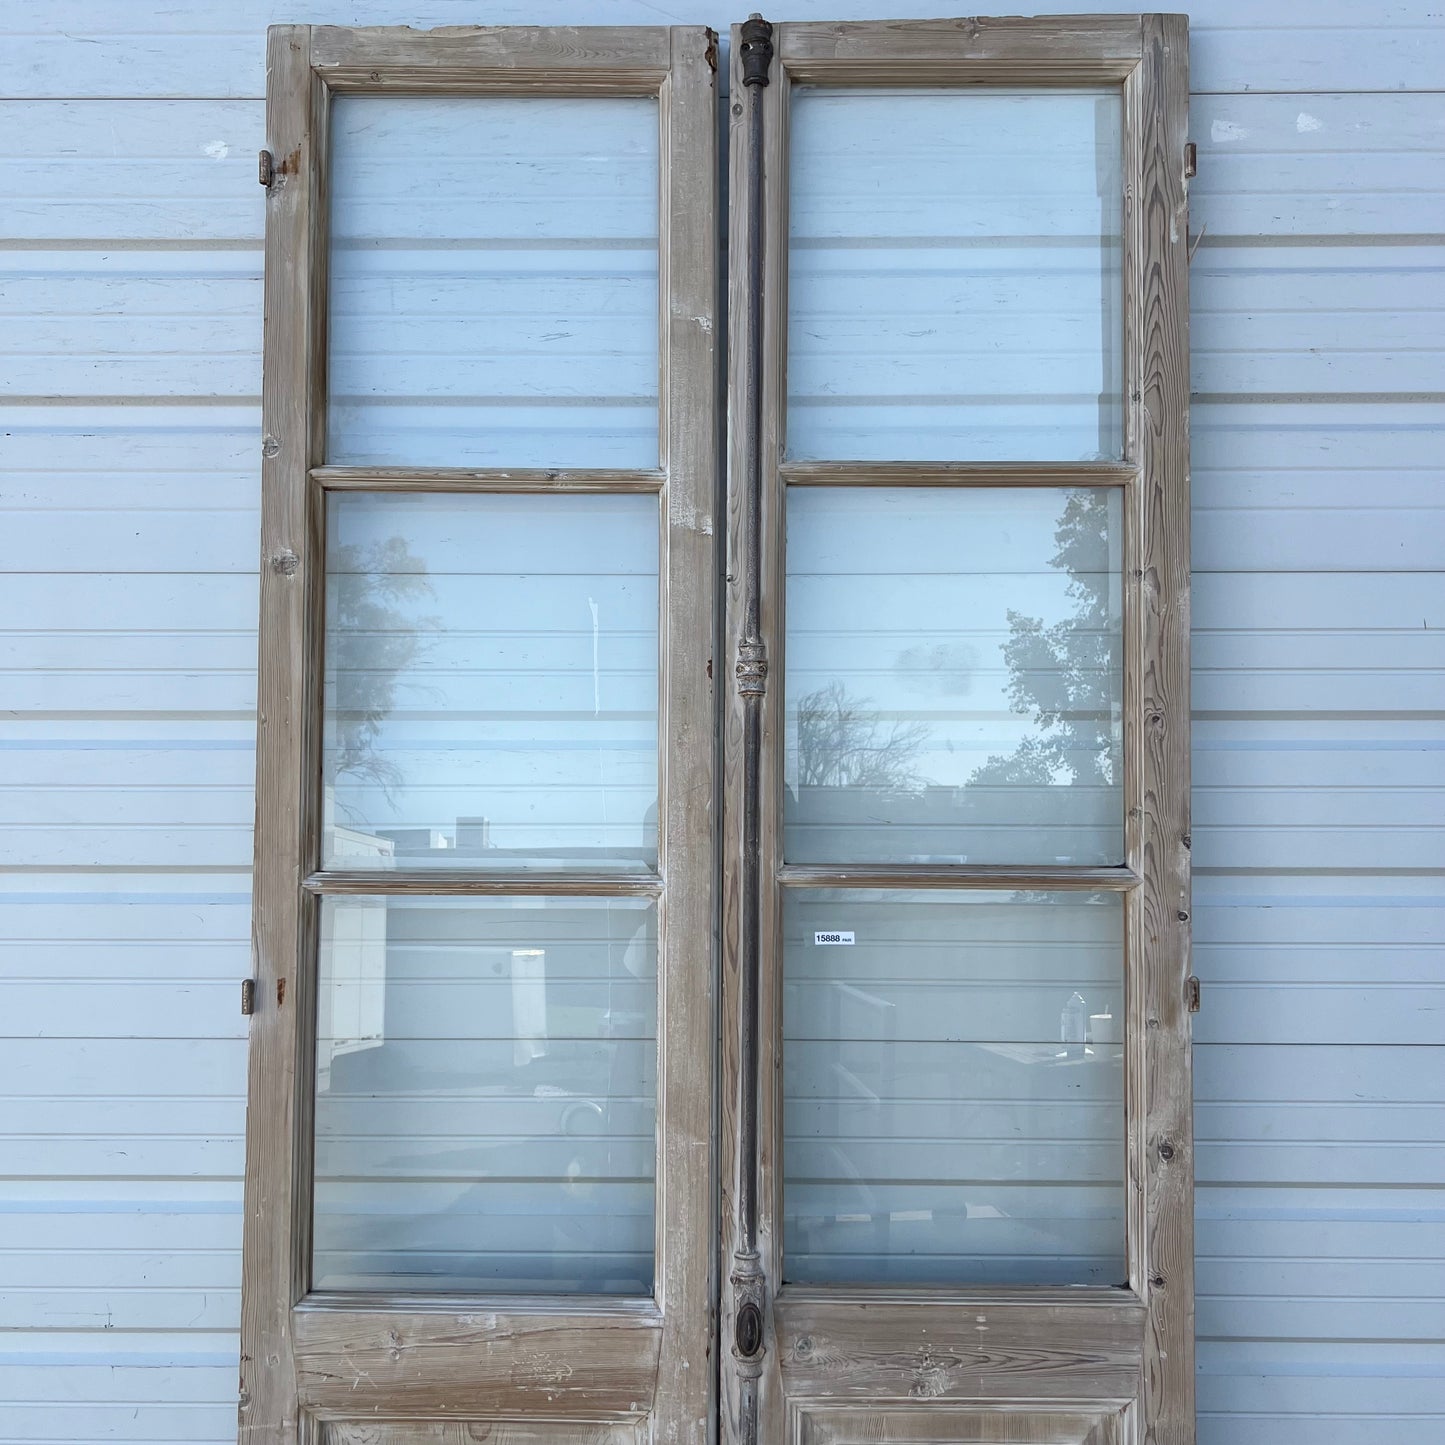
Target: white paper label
[(833, 938)]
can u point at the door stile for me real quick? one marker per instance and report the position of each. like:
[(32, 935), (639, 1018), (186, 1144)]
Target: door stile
[(752, 730), (276, 1217), (745, 1307), (1157, 102), (687, 956)]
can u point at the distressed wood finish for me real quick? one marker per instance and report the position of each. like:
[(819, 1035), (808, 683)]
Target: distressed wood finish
[(965, 875), (559, 60), (316, 1359), (448, 883), (687, 1028), (1162, 1247), (481, 1432), (964, 1345), (1103, 1366), (277, 1202), (1037, 50), (956, 474), (477, 1360), (753, 362), (462, 479), (941, 1425)]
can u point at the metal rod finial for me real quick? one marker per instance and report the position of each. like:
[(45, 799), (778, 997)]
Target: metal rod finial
[(756, 50)]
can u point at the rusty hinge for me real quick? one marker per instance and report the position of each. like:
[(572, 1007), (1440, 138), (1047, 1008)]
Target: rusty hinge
[(1191, 160), (1191, 993), (248, 996), (266, 169)]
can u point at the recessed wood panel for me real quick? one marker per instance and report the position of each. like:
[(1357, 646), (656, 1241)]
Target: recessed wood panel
[(476, 1432), (1062, 1345), (477, 1361), (954, 1427)]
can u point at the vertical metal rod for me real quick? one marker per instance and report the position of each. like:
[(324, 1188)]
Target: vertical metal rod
[(756, 53)]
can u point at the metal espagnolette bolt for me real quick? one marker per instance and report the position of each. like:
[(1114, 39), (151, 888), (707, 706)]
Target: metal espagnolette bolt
[(748, 1335), (1191, 994), (1191, 161), (248, 997), (266, 168)]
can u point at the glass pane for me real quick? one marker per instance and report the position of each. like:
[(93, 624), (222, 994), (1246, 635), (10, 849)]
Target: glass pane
[(494, 281), (954, 676), (954, 270), (953, 1085), (491, 681), (485, 1086)]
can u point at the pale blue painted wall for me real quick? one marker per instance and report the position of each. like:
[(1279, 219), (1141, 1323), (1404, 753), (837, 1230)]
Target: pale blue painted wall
[(130, 287)]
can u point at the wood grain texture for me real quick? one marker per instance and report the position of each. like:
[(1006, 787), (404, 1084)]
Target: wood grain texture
[(755, 359), (1162, 1220), (463, 479), (883, 1351), (956, 474), (448, 882), (1058, 49), (558, 60), (394, 1355), (276, 1222), (478, 1360), (962, 1346), (687, 832), (479, 1432), (950, 875), (941, 1425)]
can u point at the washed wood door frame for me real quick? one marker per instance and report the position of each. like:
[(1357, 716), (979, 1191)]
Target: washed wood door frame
[(561, 1370), (811, 1365)]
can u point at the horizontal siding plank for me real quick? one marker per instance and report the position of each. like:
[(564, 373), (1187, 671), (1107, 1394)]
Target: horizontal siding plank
[(1317, 165), (167, 171), (211, 51), (1322, 164), (1316, 522)]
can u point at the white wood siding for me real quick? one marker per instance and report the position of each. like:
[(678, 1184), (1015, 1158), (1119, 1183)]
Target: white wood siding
[(131, 304)]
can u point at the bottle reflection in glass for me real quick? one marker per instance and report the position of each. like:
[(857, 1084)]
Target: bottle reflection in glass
[(1074, 1026)]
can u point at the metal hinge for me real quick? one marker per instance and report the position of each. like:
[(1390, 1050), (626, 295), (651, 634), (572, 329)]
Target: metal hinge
[(1191, 160), (266, 169), (248, 996), (1191, 993)]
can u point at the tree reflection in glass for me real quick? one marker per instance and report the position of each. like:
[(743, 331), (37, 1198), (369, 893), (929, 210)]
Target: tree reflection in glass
[(954, 690)]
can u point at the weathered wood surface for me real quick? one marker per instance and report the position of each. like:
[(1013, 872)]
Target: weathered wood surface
[(497, 1361), (942, 1425), (462, 479), (443, 882), (277, 1210), (479, 1432), (581, 60), (968, 1345), (955, 474), (1053, 48), (687, 819), (1162, 1164), (961, 875), (482, 1360)]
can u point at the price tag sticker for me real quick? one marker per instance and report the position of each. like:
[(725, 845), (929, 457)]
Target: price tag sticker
[(835, 937)]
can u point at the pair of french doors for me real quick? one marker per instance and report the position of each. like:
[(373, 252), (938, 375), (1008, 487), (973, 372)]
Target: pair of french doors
[(721, 936)]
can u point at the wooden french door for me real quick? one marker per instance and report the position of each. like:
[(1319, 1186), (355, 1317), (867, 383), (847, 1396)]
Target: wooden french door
[(479, 1166), (957, 1143), (777, 1036)]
